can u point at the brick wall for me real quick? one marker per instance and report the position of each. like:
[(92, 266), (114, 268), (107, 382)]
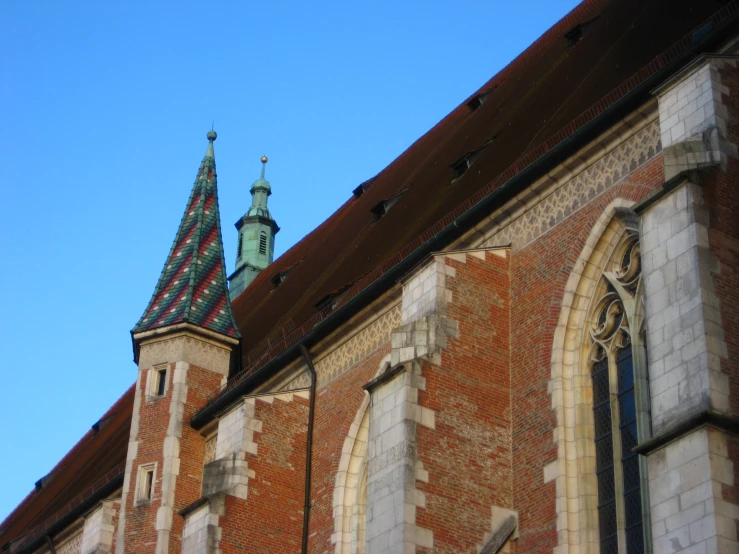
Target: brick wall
[(539, 274), (467, 453), (176, 449), (721, 194), (270, 518)]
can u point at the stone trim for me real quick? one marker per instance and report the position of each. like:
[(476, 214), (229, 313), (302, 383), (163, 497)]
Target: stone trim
[(230, 473), (201, 533), (350, 488), (383, 378), (501, 533), (73, 545), (393, 465), (171, 457), (574, 469), (686, 338), (131, 454), (97, 534), (726, 423)]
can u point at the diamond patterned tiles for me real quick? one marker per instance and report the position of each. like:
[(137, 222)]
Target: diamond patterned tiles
[(192, 287)]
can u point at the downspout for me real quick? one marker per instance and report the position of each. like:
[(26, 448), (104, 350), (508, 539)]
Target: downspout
[(308, 446), (50, 544)]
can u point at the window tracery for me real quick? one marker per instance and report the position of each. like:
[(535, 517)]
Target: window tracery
[(620, 401)]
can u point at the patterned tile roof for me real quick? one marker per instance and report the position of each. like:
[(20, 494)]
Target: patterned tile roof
[(192, 287)]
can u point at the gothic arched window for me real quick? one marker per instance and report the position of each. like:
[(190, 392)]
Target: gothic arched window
[(620, 402)]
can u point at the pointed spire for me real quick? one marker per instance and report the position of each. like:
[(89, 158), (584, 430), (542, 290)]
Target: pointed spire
[(260, 191), (192, 287)]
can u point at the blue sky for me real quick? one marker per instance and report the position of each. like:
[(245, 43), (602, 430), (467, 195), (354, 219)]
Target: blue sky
[(106, 106)]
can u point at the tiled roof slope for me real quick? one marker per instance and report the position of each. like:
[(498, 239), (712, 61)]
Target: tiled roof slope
[(542, 97), (192, 287), (95, 455)]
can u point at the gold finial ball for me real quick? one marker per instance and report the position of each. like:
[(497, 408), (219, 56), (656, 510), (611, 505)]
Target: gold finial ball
[(264, 159)]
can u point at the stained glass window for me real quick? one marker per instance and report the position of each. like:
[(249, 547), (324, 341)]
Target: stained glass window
[(620, 422)]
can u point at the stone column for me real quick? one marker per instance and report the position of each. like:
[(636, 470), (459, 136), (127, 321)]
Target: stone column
[(393, 465), (687, 457)]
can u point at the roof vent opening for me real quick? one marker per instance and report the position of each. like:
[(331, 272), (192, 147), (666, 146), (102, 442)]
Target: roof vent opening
[(461, 166), (574, 35), (359, 191), (330, 302), (479, 99), (280, 277), (383, 207)]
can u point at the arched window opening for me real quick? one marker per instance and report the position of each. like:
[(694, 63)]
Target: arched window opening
[(620, 402), (263, 243)]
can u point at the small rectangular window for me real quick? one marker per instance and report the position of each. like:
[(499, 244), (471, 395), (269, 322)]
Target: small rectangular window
[(145, 491), (161, 381), (156, 385)]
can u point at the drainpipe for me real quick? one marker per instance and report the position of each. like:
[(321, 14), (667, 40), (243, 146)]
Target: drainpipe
[(50, 544), (308, 446)]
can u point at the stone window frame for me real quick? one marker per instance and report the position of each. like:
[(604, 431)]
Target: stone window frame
[(573, 471), (350, 487), (141, 499), (152, 381), (617, 322)]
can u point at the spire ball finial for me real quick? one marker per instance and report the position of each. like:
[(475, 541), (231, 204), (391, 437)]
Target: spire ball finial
[(264, 159), (211, 135)]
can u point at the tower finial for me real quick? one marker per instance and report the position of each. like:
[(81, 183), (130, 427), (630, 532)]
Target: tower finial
[(264, 161), (211, 135)]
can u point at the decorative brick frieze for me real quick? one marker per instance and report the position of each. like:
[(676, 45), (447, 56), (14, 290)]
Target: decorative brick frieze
[(526, 218), (694, 116), (353, 351), (186, 347)]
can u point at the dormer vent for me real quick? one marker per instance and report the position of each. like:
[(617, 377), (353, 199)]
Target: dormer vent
[(479, 99), (383, 207), (574, 35), (359, 191), (280, 277), (461, 166)]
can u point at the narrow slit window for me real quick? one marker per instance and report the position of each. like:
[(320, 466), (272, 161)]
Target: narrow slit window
[(145, 491), (263, 243), (240, 247), (161, 381)]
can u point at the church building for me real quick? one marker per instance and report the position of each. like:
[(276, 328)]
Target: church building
[(521, 336)]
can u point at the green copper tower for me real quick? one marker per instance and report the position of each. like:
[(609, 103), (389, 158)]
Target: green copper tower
[(256, 243)]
